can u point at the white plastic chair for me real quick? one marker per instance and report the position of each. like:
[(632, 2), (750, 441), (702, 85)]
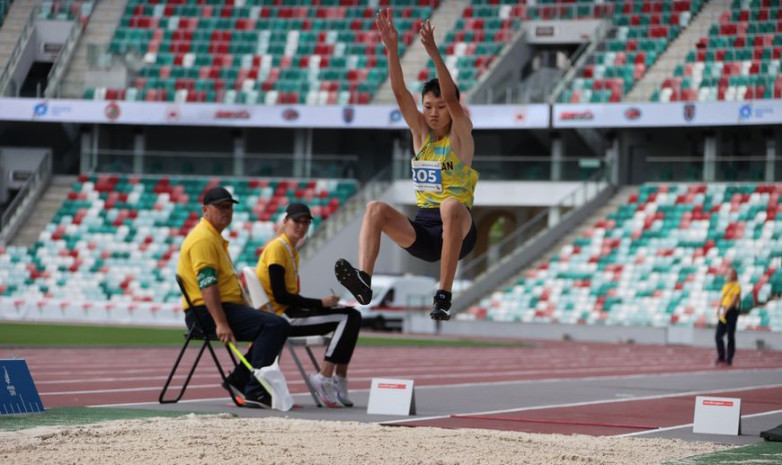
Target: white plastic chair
[(258, 299)]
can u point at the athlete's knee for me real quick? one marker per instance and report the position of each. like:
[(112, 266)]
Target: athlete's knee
[(452, 207), (376, 210), (452, 212)]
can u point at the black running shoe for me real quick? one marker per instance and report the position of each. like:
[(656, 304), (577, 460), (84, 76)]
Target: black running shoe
[(441, 308), (356, 281), (234, 383), (258, 399)]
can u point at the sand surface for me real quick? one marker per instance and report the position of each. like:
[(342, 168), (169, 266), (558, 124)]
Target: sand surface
[(224, 439)]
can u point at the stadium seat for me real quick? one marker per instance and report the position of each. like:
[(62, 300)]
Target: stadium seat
[(257, 47), (642, 31), (658, 260), (115, 238), (738, 60), (259, 299)]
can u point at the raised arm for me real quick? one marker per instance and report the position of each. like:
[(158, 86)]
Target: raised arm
[(390, 38), (461, 127)]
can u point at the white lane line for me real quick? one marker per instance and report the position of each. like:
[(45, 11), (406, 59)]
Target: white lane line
[(297, 381), (295, 375), (593, 402)]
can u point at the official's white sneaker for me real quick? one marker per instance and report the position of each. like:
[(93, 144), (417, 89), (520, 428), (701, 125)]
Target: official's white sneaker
[(324, 388), (341, 386)]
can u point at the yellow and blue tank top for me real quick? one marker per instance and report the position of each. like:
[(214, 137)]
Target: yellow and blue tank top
[(438, 174)]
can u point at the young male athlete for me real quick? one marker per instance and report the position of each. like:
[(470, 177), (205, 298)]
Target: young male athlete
[(444, 181)]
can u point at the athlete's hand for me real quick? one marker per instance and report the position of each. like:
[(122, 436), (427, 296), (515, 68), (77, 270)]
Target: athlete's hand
[(385, 26), (427, 38)]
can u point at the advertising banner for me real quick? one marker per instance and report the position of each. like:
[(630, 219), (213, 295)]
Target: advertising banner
[(621, 115), (216, 114)]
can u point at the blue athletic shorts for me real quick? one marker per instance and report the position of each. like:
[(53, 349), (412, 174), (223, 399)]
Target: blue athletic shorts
[(428, 245)]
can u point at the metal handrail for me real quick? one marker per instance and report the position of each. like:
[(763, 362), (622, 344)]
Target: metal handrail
[(63, 59), (371, 190), (16, 53), (39, 177), (582, 54)]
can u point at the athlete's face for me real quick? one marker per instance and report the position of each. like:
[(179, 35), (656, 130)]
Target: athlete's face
[(436, 112)]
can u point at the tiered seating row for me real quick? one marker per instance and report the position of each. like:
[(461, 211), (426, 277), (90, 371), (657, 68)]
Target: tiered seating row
[(256, 52), (643, 31), (543, 10), (659, 260), (477, 39), (117, 238), (65, 10), (739, 59)]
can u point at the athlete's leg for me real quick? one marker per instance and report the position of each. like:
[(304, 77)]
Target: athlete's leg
[(456, 224), (382, 218), (378, 218)]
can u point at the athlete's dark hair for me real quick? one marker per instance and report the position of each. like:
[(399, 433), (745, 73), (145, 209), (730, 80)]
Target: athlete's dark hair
[(433, 86)]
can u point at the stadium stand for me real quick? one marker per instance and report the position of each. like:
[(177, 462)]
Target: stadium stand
[(738, 60), (116, 238), (486, 27), (657, 261), (65, 10), (641, 33), (257, 52)]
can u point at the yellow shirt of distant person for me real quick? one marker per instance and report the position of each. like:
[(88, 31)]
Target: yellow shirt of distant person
[(729, 291)]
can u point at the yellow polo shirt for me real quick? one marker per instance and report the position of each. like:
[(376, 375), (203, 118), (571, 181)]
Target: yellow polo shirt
[(204, 247), (729, 291), (279, 251)]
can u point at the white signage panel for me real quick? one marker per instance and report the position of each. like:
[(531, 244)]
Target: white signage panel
[(717, 415), (391, 397), (217, 114), (672, 114)]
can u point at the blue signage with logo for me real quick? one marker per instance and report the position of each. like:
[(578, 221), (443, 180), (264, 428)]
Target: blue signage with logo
[(17, 389)]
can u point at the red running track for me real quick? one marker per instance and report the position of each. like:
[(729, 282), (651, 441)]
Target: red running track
[(607, 418), (109, 376)]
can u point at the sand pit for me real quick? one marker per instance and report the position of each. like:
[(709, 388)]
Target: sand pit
[(218, 439)]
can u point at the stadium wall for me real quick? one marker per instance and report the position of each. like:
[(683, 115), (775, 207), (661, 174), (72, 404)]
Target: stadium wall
[(699, 337)]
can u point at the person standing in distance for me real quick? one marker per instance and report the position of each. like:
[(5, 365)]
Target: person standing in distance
[(443, 228), (727, 316)]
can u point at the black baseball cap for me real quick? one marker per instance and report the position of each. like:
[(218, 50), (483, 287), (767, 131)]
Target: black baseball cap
[(297, 210), (217, 195)]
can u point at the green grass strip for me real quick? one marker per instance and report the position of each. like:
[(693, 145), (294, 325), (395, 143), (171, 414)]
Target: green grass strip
[(762, 453), (49, 335), (68, 416)]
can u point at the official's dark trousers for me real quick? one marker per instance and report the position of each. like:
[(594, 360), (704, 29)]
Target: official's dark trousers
[(729, 328), (267, 332), (345, 322)]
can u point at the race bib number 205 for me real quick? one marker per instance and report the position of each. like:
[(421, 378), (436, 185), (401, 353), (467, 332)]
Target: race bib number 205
[(427, 176)]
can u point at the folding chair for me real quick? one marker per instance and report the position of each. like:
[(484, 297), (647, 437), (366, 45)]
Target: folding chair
[(258, 299), (195, 332)]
